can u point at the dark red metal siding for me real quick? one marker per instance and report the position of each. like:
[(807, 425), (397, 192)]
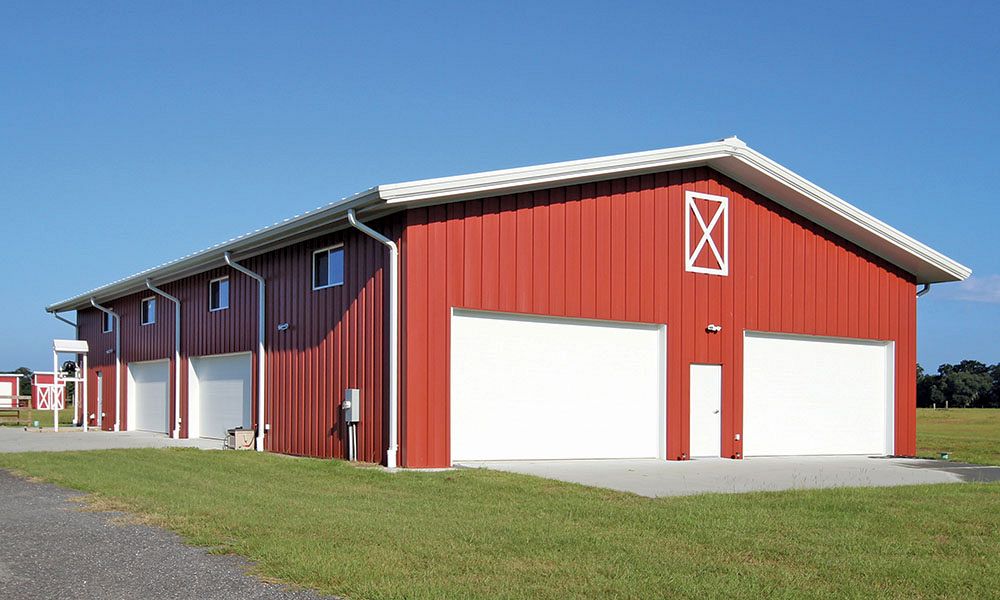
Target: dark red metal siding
[(335, 340), (101, 359), (615, 250)]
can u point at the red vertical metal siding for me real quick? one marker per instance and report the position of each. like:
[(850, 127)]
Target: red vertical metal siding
[(615, 250), (335, 340)]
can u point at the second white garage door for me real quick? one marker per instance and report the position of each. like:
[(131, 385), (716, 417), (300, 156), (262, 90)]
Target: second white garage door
[(812, 395), (219, 394), (149, 396), (525, 387)]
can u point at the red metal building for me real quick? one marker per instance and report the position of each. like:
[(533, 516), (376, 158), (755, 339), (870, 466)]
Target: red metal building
[(678, 303)]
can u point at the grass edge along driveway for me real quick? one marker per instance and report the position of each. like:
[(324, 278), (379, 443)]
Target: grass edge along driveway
[(364, 533), (968, 434)]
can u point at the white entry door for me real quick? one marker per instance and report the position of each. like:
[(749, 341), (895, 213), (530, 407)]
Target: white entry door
[(815, 395), (706, 410), (528, 387), (149, 396), (219, 394)]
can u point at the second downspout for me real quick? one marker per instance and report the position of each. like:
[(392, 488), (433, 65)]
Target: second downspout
[(261, 364), (118, 363), (177, 356), (390, 453)]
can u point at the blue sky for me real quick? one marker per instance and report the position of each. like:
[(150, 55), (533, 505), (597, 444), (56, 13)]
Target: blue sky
[(135, 132)]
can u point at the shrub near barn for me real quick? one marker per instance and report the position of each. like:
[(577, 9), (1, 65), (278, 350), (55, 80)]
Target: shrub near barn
[(969, 384)]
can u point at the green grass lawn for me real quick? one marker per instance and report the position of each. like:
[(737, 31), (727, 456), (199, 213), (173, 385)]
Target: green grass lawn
[(44, 418), (365, 533), (968, 434)]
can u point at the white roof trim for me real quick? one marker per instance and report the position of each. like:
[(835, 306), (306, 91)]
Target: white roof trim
[(730, 156), (70, 346)]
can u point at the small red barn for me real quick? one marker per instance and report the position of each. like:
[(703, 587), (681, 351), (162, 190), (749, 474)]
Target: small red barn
[(41, 382), (699, 301), (10, 385)]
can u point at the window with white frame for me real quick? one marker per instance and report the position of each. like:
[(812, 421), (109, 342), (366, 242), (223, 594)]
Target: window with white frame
[(147, 312), (706, 233), (328, 267), (218, 294), (108, 322)]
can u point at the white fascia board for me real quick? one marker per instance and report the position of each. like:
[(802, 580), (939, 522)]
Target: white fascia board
[(845, 219), (507, 181)]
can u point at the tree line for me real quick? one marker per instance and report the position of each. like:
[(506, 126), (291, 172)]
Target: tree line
[(969, 384)]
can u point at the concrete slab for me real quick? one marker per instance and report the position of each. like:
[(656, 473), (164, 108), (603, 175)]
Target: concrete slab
[(16, 439), (655, 478)]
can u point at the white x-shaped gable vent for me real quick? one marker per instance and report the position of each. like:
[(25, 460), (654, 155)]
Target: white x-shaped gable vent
[(706, 233)]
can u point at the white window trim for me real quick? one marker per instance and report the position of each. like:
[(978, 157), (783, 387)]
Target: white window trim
[(312, 267), (690, 206), (107, 321), (226, 307), (142, 304)]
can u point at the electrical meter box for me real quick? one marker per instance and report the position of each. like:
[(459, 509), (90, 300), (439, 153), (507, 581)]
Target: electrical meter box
[(352, 405)]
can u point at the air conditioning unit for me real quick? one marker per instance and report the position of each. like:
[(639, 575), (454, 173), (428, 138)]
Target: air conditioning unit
[(240, 438)]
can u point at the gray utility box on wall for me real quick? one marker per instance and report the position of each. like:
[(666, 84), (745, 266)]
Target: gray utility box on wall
[(352, 405), (240, 439)]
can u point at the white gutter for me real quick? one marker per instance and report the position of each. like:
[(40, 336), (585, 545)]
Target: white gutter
[(118, 363), (64, 319), (259, 445), (177, 356), (390, 453)]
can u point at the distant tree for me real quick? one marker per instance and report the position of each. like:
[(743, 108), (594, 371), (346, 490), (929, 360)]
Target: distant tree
[(992, 399), (965, 389), (967, 384)]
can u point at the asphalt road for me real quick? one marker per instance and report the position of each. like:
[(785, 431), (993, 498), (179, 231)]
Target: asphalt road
[(51, 549)]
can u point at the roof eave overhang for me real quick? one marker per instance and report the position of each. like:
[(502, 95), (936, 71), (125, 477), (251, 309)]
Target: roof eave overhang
[(731, 157), (284, 233)]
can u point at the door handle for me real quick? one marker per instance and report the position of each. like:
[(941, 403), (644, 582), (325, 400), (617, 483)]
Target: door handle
[(715, 412)]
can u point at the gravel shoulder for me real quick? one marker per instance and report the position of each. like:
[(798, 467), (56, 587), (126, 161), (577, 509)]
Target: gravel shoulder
[(49, 548)]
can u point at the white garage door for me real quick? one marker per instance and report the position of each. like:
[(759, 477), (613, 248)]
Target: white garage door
[(149, 396), (812, 395), (220, 391), (525, 387)]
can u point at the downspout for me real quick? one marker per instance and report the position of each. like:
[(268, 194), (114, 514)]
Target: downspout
[(260, 346), (76, 393), (177, 356), (923, 291), (118, 362), (390, 458)]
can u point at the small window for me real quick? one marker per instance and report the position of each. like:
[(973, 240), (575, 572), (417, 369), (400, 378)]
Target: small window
[(328, 267), (218, 294), (108, 322), (148, 312)]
